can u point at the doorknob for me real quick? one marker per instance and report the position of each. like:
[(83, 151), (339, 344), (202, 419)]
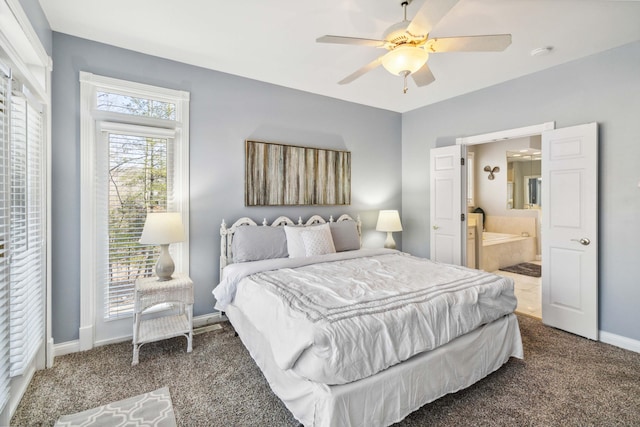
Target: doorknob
[(584, 241), (435, 227)]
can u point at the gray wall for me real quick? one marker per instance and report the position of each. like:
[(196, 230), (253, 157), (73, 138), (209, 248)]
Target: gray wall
[(225, 110), (603, 88)]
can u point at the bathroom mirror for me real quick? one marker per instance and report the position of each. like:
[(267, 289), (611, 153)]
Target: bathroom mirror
[(524, 179)]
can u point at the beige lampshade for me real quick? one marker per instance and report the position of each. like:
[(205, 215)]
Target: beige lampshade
[(162, 228), (389, 220), (405, 58)]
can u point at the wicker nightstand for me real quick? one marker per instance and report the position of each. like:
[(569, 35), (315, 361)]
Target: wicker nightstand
[(149, 292)]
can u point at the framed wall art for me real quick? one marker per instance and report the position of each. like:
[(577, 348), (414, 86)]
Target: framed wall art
[(279, 175)]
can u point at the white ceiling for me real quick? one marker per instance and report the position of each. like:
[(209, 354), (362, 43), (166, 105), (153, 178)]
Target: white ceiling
[(274, 41)]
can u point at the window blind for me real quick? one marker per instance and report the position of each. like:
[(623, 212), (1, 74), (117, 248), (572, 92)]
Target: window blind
[(26, 235), (137, 180), (4, 236)]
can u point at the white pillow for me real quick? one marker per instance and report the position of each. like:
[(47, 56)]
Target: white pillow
[(318, 240), (295, 245)]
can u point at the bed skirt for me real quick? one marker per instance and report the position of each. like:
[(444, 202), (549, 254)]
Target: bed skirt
[(390, 395)]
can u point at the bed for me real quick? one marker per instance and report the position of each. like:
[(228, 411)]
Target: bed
[(347, 336)]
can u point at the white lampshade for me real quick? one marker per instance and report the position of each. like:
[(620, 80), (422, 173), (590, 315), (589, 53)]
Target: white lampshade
[(162, 228), (405, 58), (389, 220)]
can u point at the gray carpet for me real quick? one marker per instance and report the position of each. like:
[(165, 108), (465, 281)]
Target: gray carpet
[(563, 381)]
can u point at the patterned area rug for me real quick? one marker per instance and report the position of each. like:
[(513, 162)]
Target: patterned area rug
[(525, 268), (149, 409)]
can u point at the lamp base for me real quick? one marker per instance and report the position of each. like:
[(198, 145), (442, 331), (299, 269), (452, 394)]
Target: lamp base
[(390, 243), (165, 266)]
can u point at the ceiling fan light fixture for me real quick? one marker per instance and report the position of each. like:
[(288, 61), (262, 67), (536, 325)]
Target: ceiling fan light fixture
[(404, 59)]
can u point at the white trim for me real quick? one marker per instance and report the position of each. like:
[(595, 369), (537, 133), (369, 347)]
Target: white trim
[(135, 89), (74, 346), (620, 341), (91, 122), (506, 134), (49, 355), (111, 116), (24, 50), (66, 348), (88, 214), (208, 319), (29, 32), (137, 130), (19, 386)]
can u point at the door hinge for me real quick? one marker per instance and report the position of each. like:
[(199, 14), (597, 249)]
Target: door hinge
[(461, 217), (461, 161)]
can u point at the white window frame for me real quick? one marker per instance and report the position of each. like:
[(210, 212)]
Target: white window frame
[(91, 121)]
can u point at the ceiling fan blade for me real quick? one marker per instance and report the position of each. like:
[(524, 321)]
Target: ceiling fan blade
[(351, 40), (430, 13), (423, 76), (489, 43), (370, 66)]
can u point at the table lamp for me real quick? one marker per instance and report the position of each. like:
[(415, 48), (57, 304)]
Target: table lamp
[(389, 221), (163, 229)]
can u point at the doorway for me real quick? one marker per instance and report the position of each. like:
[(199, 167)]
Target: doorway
[(570, 251), (504, 189)]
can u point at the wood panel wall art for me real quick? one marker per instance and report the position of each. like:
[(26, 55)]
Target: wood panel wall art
[(279, 175)]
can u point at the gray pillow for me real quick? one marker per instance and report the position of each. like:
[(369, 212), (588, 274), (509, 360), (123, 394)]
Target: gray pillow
[(345, 235), (253, 243)]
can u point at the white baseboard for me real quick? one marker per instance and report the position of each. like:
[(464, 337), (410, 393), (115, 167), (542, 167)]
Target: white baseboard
[(74, 346), (86, 337), (18, 387), (50, 353), (208, 319), (620, 341), (66, 348)]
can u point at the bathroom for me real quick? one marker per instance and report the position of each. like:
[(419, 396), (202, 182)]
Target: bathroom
[(504, 212)]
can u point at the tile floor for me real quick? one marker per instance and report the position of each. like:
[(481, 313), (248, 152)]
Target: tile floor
[(528, 292)]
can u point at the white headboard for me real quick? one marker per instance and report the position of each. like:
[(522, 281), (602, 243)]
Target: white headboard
[(226, 233)]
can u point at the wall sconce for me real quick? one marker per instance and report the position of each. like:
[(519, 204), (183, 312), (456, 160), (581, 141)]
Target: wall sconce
[(491, 171)]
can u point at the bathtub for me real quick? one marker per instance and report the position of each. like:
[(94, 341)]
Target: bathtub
[(502, 250), (492, 238)]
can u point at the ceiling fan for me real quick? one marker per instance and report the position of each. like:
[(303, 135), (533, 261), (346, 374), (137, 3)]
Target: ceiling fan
[(409, 45)]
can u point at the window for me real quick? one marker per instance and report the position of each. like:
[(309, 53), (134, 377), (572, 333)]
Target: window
[(22, 231), (26, 230), (25, 76), (4, 236), (135, 161), (137, 181)]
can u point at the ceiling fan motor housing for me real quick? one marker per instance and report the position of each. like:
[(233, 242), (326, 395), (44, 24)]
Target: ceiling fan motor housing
[(397, 34)]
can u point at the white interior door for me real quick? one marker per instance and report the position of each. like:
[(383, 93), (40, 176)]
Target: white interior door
[(570, 229), (446, 205)]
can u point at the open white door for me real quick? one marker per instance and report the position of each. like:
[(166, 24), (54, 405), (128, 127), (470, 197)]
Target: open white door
[(570, 229), (446, 204)]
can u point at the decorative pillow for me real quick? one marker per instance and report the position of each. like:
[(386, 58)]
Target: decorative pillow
[(295, 245), (345, 235), (253, 243), (318, 240)]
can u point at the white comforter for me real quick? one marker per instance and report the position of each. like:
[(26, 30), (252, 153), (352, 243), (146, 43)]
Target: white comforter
[(339, 318)]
